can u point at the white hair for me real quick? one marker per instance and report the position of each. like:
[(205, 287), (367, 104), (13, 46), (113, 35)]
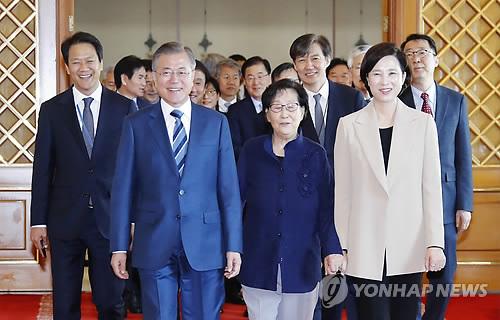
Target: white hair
[(357, 51)]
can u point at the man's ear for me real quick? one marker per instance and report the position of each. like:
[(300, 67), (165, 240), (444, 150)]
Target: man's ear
[(124, 78)]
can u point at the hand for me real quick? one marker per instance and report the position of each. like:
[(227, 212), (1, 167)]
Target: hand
[(37, 234), (344, 263), (333, 263), (233, 264), (132, 230), (119, 264), (462, 220), (435, 259)]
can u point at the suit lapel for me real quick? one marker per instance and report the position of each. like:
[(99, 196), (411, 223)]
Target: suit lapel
[(366, 127), (441, 106), (332, 114), (68, 110), (195, 135), (407, 97), (105, 118), (159, 132)]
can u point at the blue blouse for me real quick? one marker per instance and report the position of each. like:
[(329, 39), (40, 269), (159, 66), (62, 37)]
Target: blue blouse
[(289, 214)]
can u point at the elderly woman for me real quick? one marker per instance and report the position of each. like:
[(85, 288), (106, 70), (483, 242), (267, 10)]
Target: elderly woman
[(388, 207), (286, 185)]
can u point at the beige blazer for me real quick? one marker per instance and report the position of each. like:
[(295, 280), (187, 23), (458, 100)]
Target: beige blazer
[(399, 214)]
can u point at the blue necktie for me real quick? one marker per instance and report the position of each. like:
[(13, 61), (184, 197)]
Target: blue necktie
[(179, 145), (88, 122)]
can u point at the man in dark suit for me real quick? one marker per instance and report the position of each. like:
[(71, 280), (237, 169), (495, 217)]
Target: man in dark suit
[(449, 110), (328, 101), (245, 117), (178, 183), (130, 79), (76, 144)]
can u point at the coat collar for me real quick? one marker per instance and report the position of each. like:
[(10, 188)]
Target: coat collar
[(367, 130), (159, 131), (291, 148)]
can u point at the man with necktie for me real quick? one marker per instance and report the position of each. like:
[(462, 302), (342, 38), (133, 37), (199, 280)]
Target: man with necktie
[(178, 183), (76, 144), (449, 110), (130, 79), (228, 75)]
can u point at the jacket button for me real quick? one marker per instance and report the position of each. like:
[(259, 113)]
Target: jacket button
[(279, 235), (281, 189), (280, 212), (91, 170), (86, 195), (178, 217), (181, 192)]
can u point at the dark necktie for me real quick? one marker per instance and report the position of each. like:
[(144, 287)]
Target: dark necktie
[(179, 145), (88, 123), (318, 117), (425, 106)]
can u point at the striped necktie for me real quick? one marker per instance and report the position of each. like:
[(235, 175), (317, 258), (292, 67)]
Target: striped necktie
[(88, 125), (179, 145)]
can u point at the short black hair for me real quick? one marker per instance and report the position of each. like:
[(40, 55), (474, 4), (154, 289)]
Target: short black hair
[(148, 65), (282, 85), (255, 61), (213, 82), (377, 52), (419, 36), (280, 69), (336, 62), (81, 37), (200, 66), (237, 57), (127, 66), (302, 45)]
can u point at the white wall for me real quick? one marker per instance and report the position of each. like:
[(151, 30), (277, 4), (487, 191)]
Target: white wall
[(257, 27)]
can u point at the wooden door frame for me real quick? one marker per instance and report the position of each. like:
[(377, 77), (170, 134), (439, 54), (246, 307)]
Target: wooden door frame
[(65, 27), (403, 18)]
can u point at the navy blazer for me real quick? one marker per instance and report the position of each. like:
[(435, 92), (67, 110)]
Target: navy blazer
[(342, 100), (245, 123), (141, 103), (289, 214), (452, 122), (63, 175), (202, 208)]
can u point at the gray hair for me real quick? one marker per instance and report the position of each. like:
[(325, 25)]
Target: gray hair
[(357, 51), (226, 63), (170, 48), (211, 62)]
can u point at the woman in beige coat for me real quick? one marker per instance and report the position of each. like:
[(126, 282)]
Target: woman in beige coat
[(388, 207)]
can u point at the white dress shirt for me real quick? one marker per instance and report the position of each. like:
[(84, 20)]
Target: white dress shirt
[(257, 104), (95, 106), (419, 101), (170, 119), (222, 104), (324, 91)]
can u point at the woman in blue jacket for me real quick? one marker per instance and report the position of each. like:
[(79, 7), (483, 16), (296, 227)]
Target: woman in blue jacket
[(287, 187)]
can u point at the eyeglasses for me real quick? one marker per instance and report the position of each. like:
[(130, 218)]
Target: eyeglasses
[(291, 107), (422, 53), (259, 76), (210, 92), (181, 74)]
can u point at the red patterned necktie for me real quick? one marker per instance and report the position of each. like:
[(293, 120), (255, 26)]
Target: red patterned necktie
[(425, 106)]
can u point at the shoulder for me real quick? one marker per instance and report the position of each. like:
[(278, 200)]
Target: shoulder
[(343, 91), (114, 98), (207, 113), (240, 106), (63, 98), (448, 92)]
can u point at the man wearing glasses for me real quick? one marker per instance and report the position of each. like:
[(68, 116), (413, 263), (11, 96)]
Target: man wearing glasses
[(449, 110), (245, 117), (177, 181)]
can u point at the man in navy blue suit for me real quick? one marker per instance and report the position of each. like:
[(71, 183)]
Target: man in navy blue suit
[(449, 110), (245, 117), (130, 79), (178, 183), (75, 154), (328, 102)]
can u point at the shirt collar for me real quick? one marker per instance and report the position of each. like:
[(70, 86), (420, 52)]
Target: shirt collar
[(96, 95), (324, 90), (185, 108), (257, 104), (431, 92)]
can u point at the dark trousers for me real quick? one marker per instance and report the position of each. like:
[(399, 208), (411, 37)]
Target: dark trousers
[(391, 306), (68, 260), (202, 292), (349, 304), (435, 306)]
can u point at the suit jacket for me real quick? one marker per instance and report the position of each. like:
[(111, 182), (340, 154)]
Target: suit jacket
[(288, 218), (202, 208), (342, 100), (63, 175), (452, 123), (398, 215), (141, 103), (245, 123)]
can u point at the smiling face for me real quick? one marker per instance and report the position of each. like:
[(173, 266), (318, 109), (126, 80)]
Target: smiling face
[(196, 94), (175, 89), (311, 68), (257, 79), (386, 80), (340, 74), (84, 67), (285, 123), (210, 97)]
